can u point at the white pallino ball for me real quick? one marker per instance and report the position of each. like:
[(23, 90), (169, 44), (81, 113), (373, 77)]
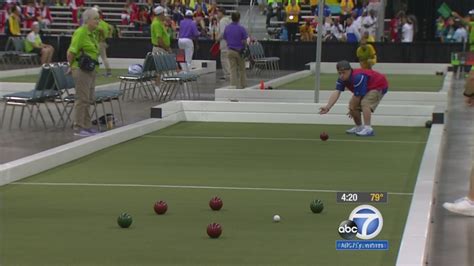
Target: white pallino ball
[(276, 218)]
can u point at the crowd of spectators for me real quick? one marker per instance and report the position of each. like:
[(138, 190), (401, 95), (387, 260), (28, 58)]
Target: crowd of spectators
[(454, 28), (204, 14), (15, 15), (137, 15), (355, 20)]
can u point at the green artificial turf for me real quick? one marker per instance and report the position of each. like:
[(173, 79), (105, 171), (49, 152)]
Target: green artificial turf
[(76, 224), (100, 79), (405, 82)]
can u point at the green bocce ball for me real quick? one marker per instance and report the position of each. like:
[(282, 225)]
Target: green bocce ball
[(316, 206), (124, 220)]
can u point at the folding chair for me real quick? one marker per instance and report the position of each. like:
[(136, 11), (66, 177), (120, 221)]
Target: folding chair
[(129, 83), (64, 83), (44, 90), (173, 81), (110, 96), (260, 61), (19, 45), (165, 89), (4, 55), (7, 56)]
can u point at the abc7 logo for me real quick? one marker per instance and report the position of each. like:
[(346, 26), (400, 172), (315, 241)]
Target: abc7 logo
[(365, 222)]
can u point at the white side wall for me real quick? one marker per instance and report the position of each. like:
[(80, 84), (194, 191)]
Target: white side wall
[(301, 96), (254, 94), (34, 164), (301, 113), (389, 68), (282, 80), (414, 245), (12, 87)]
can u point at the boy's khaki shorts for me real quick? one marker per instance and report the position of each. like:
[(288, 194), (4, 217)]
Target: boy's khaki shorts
[(371, 99)]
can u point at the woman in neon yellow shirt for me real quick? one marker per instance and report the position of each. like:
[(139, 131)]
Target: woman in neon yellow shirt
[(292, 19), (33, 44), (366, 54), (84, 42), (14, 22)]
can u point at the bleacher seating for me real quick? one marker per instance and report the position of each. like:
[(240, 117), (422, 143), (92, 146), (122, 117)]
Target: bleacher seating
[(275, 25), (112, 12), (305, 13)]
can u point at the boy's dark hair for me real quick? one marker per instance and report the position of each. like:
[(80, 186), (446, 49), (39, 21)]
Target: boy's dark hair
[(235, 17), (343, 65)]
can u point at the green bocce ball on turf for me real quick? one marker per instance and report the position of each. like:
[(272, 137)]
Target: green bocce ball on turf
[(124, 220), (316, 206)]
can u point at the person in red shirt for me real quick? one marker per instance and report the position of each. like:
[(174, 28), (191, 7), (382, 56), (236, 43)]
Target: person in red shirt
[(395, 25), (75, 5), (130, 13), (3, 19), (368, 87), (141, 21), (30, 12)]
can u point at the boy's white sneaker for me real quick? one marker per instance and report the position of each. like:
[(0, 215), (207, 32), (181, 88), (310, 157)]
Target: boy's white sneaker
[(366, 132), (354, 130), (463, 206)]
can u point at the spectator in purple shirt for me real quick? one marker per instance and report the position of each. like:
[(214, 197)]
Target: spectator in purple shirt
[(187, 33), (235, 35)]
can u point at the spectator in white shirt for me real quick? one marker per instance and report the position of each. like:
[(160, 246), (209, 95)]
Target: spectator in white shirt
[(460, 34), (223, 22), (337, 30), (327, 26), (33, 44), (407, 30), (369, 23), (352, 33), (357, 20)]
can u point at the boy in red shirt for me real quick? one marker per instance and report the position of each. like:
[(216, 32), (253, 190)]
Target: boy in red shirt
[(368, 87)]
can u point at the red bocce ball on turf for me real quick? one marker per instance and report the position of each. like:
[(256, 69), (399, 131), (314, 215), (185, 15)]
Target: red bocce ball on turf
[(216, 203), (160, 207), (324, 136), (214, 230)]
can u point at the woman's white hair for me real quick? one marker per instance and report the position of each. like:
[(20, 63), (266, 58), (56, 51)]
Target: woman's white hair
[(90, 13)]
